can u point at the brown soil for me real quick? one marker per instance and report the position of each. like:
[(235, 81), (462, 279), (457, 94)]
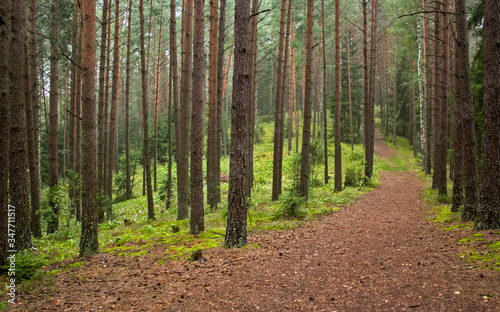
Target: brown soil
[(379, 254)]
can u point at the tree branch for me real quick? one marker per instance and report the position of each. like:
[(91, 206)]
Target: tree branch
[(420, 12), (263, 11)]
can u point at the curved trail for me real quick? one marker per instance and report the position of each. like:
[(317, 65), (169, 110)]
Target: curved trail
[(379, 254)]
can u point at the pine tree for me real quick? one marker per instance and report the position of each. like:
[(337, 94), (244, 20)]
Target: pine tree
[(306, 131), (89, 237), (489, 201), (236, 230)]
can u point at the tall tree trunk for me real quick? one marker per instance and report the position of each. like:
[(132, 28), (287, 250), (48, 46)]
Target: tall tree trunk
[(213, 176), (236, 230), (72, 123), (89, 239), (443, 187), (175, 89), (291, 97), (115, 102), (53, 221), (36, 230), (156, 101), (78, 133), (145, 111), (421, 90), (439, 112), (436, 95), (306, 131), (107, 135), (5, 37), (225, 97), (102, 105), (366, 96), (278, 117), (395, 100), (64, 118), (325, 134), (338, 138), (197, 207), (185, 117), (253, 84), (220, 87), (348, 36), (466, 136), (412, 108), (128, 188), (427, 91), (489, 202), (18, 162)]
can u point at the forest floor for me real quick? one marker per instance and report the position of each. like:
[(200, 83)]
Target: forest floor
[(380, 253)]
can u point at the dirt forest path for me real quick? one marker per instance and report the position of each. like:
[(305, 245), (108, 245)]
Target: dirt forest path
[(380, 253)]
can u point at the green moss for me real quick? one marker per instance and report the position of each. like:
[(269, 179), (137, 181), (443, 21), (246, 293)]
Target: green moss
[(495, 246), (461, 226), (53, 272), (76, 265), (443, 214)]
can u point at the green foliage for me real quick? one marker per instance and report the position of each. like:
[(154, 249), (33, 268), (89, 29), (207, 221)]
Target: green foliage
[(290, 203), (353, 175), (291, 170), (27, 264), (354, 172), (103, 202), (59, 197)]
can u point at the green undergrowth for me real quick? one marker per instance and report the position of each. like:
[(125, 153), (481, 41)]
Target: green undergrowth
[(131, 234)]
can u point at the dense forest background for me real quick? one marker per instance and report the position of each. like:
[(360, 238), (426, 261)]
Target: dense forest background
[(154, 106)]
